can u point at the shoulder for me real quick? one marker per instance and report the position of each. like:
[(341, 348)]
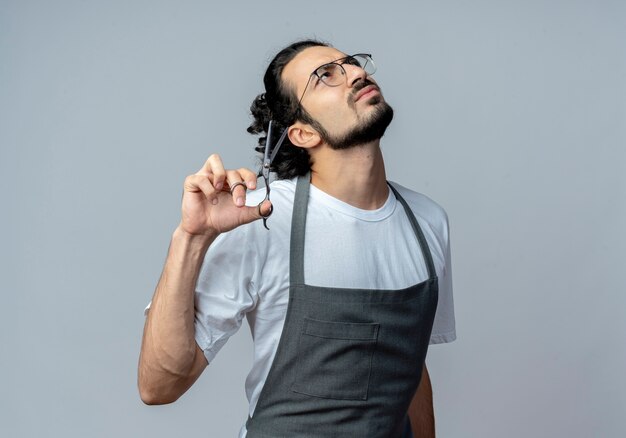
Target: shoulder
[(425, 208)]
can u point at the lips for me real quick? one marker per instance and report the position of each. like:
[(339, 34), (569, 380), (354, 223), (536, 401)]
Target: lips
[(365, 91)]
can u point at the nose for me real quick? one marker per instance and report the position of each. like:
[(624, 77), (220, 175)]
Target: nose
[(354, 74)]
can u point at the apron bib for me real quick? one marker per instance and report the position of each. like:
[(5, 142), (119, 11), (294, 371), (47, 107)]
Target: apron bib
[(349, 360)]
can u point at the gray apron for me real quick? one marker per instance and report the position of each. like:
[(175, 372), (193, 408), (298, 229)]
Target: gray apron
[(349, 360)]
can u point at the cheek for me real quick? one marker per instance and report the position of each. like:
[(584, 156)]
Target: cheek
[(334, 114), (332, 118)]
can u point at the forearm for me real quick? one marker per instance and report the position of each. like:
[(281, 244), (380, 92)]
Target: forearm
[(168, 350), (421, 410)]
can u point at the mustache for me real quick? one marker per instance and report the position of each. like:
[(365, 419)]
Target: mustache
[(359, 86)]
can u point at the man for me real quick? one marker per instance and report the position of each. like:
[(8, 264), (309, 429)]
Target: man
[(341, 293)]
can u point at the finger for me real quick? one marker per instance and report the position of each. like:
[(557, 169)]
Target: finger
[(249, 177), (215, 169), (251, 214), (244, 175), (201, 183), (264, 209), (237, 187)]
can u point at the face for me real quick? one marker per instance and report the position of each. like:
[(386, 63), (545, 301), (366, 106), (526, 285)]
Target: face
[(346, 115)]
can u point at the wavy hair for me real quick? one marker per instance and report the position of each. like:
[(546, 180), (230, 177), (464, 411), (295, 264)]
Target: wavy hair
[(280, 104)]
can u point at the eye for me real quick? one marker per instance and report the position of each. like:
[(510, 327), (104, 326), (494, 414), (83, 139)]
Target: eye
[(328, 73)]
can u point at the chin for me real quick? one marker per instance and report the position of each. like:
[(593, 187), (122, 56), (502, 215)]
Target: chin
[(371, 128), (375, 100)]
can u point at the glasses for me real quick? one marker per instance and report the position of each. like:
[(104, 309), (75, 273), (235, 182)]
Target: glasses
[(333, 74), (268, 158)]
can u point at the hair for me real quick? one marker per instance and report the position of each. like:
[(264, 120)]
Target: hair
[(280, 104)]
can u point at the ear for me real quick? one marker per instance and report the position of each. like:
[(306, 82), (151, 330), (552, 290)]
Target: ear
[(303, 135)]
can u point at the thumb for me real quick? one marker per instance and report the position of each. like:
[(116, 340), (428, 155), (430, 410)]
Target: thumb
[(251, 214)]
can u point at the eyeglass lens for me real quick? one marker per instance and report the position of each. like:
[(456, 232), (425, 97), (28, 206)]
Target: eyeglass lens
[(332, 74)]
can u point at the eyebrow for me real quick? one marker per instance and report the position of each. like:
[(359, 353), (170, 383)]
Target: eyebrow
[(334, 61)]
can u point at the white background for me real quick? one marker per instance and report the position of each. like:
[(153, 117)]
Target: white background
[(511, 114)]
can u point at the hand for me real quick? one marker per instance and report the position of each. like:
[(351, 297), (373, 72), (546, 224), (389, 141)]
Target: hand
[(209, 208)]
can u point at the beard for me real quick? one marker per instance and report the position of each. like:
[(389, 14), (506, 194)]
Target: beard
[(368, 129)]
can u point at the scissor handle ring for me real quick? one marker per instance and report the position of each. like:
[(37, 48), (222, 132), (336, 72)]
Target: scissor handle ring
[(265, 216)]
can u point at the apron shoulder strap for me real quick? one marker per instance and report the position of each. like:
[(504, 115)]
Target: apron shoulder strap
[(418, 233), (298, 225)]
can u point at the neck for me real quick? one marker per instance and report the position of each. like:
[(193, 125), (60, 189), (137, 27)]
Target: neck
[(355, 176)]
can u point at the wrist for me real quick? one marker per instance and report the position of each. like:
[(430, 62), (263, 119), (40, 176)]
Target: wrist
[(195, 240)]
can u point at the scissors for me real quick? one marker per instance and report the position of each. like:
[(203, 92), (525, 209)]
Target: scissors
[(265, 171)]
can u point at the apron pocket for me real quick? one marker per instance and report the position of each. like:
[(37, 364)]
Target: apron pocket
[(335, 359)]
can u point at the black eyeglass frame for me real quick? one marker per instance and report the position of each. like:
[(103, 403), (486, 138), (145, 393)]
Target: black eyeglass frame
[(340, 63)]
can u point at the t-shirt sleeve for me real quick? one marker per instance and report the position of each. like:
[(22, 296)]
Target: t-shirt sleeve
[(444, 326), (224, 290)]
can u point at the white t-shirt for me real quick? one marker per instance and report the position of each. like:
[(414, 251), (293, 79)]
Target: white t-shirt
[(246, 271)]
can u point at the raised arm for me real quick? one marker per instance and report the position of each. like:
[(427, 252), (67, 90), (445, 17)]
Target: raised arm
[(170, 360)]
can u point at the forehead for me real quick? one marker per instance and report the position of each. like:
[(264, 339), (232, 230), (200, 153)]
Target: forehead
[(297, 71)]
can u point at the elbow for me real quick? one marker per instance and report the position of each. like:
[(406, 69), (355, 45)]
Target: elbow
[(155, 400), (159, 385), (155, 389), (150, 399), (153, 397)]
